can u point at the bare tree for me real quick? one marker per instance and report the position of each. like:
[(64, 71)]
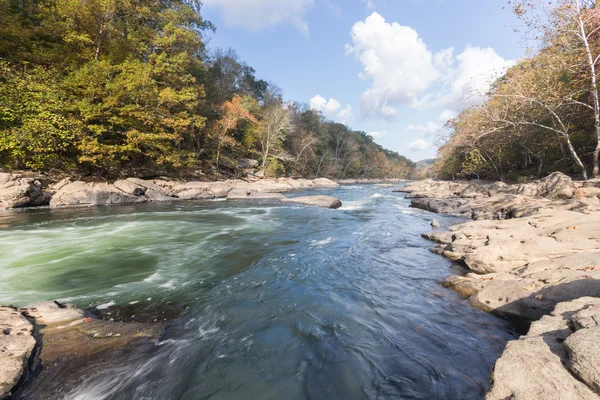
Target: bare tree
[(275, 126)]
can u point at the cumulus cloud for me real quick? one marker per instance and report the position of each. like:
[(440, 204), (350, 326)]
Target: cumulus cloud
[(420, 145), (331, 108), (257, 15), (404, 71)]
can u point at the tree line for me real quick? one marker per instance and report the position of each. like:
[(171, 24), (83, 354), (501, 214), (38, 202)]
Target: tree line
[(543, 115), (129, 88)]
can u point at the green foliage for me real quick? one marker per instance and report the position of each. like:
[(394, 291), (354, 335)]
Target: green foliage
[(34, 131), (126, 87)]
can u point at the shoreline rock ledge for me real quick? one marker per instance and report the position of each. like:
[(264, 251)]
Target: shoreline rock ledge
[(533, 254), (17, 191), (55, 342)]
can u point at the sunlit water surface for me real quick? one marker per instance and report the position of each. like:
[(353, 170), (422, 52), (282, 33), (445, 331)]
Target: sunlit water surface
[(284, 302)]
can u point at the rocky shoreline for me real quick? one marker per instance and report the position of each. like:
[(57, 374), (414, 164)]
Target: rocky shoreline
[(65, 340), (533, 252), (19, 191)]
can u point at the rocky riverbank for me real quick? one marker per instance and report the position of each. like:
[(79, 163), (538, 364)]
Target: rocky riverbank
[(18, 191), (65, 341), (533, 252)]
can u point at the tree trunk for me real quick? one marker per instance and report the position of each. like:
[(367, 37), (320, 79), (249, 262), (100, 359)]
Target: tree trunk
[(576, 157), (593, 84)]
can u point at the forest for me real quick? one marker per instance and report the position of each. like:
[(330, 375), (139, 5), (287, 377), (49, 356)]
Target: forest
[(112, 88), (543, 115)]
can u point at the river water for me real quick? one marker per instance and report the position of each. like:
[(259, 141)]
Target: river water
[(283, 301)]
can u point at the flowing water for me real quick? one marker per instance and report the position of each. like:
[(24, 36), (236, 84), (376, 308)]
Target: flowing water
[(283, 302)]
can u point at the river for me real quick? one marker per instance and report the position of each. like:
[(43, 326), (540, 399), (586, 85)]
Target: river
[(282, 301)]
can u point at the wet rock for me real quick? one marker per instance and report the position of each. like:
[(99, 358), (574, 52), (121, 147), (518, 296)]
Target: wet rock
[(74, 342), (435, 223), (16, 346), (142, 312), (318, 201), (244, 194)]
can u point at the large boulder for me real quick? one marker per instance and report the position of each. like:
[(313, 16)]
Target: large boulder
[(80, 193), (318, 201), (557, 186), (324, 182), (584, 355), (16, 345), (152, 191), (17, 191), (540, 365)]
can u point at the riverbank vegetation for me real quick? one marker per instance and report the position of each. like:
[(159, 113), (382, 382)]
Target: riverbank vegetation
[(543, 115), (128, 88)]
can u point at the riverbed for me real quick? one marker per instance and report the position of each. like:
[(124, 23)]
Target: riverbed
[(279, 301)]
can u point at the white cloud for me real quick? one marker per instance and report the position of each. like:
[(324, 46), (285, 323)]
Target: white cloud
[(420, 145), (427, 129), (397, 62), (404, 71), (379, 134), (345, 115), (257, 15), (319, 103), (447, 115), (331, 108)]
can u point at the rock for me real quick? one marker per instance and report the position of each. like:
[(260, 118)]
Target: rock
[(50, 312), (435, 223), (243, 194), (130, 188), (319, 201), (17, 191), (246, 163), (152, 191), (220, 191), (324, 182), (556, 185), (584, 355), (16, 346), (260, 174), (86, 194), (195, 194), (74, 342), (539, 365)]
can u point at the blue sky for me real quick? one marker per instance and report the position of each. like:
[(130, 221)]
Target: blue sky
[(397, 69)]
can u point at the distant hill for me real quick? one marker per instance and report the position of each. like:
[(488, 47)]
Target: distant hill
[(424, 163)]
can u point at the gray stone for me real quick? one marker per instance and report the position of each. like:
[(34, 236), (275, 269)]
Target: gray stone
[(435, 223), (16, 345), (318, 201)]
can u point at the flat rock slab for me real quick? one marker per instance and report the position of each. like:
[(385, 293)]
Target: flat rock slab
[(318, 201), (552, 362), (16, 344), (77, 346)]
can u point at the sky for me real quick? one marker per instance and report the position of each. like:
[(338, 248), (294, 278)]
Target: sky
[(396, 69)]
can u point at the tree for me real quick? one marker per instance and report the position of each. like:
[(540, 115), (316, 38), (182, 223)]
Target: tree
[(232, 113), (574, 27), (275, 125)]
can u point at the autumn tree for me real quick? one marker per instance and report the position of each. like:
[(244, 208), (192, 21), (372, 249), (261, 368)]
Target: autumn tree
[(232, 112)]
